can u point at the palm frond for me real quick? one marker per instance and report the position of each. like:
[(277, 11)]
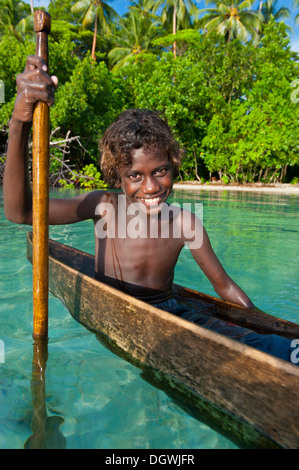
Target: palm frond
[(81, 6), (89, 17)]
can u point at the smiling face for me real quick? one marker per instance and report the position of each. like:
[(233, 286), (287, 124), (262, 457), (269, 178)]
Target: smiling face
[(148, 180)]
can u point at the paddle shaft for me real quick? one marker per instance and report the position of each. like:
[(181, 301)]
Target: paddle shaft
[(40, 189)]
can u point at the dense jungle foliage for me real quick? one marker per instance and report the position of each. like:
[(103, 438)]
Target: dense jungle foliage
[(232, 99)]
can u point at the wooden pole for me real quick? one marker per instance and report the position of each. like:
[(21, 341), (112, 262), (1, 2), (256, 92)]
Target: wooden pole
[(45, 429), (40, 173)]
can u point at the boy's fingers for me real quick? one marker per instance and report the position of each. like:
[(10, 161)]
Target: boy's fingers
[(23, 110), (33, 85), (33, 61), (39, 86), (35, 75), (54, 81), (33, 91), (40, 95)]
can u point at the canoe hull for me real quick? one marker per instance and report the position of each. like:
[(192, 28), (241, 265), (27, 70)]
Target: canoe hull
[(248, 394)]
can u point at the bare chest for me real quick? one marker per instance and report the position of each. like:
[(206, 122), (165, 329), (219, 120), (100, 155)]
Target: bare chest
[(137, 250)]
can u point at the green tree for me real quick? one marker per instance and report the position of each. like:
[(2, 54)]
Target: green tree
[(133, 38), (62, 60), (10, 66), (141, 4), (145, 6), (61, 29), (65, 27), (255, 138), (183, 101), (232, 19), (180, 12), (92, 11), (86, 104), (15, 19), (270, 8), (61, 10)]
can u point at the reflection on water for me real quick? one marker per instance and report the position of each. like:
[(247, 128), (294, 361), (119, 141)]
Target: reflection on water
[(46, 432), (102, 399)]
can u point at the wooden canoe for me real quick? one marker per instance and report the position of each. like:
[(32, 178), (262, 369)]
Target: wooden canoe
[(249, 396)]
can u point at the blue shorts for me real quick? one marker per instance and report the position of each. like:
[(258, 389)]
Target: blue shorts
[(201, 314)]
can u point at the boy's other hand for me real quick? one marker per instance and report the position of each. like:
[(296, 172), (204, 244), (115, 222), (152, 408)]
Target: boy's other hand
[(33, 85)]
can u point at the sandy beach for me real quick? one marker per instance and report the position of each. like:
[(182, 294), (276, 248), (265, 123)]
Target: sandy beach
[(270, 188)]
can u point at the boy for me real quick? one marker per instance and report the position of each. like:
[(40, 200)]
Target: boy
[(140, 156)]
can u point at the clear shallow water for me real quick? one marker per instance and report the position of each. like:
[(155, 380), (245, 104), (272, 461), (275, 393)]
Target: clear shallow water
[(103, 400)]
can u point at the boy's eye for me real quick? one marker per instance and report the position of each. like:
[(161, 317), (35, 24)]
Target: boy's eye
[(133, 176), (161, 171)]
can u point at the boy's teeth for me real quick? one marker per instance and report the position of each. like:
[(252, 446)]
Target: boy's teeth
[(151, 200)]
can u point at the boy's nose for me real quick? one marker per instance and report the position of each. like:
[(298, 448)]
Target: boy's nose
[(150, 185)]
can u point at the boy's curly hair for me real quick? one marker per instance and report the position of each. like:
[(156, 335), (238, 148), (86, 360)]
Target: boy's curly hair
[(133, 129)]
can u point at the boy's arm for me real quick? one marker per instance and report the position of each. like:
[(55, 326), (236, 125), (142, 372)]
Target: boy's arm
[(207, 260), (17, 190), (16, 185), (34, 84)]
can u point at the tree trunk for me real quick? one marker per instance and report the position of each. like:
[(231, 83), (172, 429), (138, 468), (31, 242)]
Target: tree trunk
[(94, 39), (283, 173), (272, 177), (195, 160), (174, 29)]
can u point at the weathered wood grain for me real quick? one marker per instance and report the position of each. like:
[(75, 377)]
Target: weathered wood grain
[(249, 394), (40, 189)]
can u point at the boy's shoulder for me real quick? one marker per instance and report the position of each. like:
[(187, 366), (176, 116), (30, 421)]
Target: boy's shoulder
[(181, 212), (87, 203), (188, 223), (102, 195)]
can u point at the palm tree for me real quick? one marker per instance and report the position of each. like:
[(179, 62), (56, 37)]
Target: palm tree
[(269, 8), (232, 19), (92, 11), (181, 12), (143, 5), (144, 8), (15, 18), (132, 38)]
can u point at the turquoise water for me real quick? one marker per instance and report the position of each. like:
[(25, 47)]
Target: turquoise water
[(103, 400)]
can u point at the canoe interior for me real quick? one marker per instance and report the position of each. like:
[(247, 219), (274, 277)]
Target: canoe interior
[(232, 387)]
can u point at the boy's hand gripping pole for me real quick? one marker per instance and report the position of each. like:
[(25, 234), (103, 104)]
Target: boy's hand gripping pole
[(40, 203)]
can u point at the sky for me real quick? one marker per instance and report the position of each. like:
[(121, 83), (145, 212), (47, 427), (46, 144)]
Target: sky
[(121, 7)]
